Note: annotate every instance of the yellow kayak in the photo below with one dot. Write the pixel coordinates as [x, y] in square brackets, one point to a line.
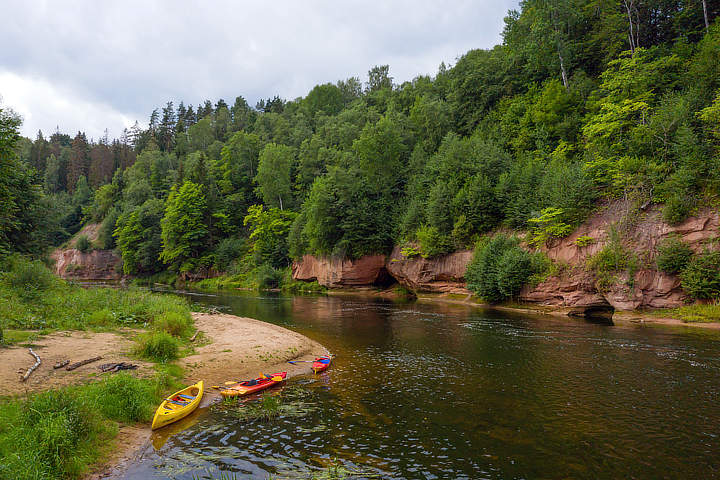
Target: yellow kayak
[178, 405]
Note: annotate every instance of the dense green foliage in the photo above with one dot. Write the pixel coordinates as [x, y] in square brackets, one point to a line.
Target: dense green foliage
[500, 268]
[32, 297]
[580, 103]
[57, 434]
[701, 277]
[673, 255]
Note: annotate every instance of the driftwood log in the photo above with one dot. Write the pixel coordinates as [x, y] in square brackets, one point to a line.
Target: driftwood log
[80, 364]
[115, 367]
[32, 369]
[61, 364]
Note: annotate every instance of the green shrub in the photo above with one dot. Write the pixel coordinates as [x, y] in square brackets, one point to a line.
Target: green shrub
[228, 251]
[175, 323]
[676, 209]
[701, 277]
[101, 318]
[266, 277]
[432, 242]
[500, 268]
[158, 346]
[83, 244]
[124, 398]
[673, 255]
[584, 241]
[28, 277]
[548, 225]
[409, 251]
[612, 260]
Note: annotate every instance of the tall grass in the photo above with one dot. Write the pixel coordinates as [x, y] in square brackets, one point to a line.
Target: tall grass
[31, 297]
[158, 346]
[57, 434]
[698, 313]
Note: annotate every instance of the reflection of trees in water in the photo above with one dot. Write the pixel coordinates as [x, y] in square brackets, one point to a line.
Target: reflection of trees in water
[478, 390]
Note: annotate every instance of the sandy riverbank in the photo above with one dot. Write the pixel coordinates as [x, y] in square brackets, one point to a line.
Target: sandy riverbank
[233, 348]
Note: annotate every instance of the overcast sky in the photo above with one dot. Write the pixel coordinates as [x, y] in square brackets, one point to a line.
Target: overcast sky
[92, 65]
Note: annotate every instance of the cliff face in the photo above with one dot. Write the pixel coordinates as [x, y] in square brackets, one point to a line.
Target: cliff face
[336, 273]
[71, 263]
[94, 265]
[648, 288]
[445, 274]
[575, 288]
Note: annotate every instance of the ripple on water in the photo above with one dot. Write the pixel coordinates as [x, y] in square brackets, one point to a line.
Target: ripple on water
[430, 391]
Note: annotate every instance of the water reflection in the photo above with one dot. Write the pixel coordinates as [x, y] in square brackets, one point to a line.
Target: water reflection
[447, 391]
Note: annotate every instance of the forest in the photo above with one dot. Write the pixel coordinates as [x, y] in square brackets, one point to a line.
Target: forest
[584, 101]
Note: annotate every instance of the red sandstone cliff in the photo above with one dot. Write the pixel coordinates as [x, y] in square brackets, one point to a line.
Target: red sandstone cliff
[93, 265]
[336, 272]
[71, 263]
[575, 287]
[444, 274]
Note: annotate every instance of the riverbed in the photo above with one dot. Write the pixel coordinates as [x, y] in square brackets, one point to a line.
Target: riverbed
[430, 391]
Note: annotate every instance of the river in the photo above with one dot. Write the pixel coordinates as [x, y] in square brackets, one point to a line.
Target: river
[438, 391]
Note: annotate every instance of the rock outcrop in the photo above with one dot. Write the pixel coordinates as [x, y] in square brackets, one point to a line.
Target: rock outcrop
[444, 274]
[575, 288]
[338, 273]
[648, 288]
[92, 265]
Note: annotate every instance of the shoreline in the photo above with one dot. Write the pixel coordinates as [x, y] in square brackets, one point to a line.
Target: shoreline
[619, 317]
[232, 354]
[235, 348]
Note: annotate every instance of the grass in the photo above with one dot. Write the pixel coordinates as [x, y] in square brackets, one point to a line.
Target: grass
[34, 301]
[258, 278]
[693, 313]
[158, 346]
[57, 434]
[13, 337]
[292, 402]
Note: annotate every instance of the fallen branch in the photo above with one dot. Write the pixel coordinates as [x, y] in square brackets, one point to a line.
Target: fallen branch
[84, 362]
[114, 367]
[192, 339]
[61, 364]
[31, 369]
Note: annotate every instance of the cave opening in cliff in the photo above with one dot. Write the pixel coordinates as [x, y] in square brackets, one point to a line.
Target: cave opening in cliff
[384, 279]
[601, 314]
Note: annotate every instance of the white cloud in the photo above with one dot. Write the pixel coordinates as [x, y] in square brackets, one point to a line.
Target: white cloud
[126, 58]
[46, 107]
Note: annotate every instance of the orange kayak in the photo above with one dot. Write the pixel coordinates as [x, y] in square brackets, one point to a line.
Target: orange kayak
[255, 385]
[321, 363]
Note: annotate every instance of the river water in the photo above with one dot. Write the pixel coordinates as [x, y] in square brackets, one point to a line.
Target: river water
[436, 391]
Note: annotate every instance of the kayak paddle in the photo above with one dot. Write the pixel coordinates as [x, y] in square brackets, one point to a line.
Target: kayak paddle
[232, 382]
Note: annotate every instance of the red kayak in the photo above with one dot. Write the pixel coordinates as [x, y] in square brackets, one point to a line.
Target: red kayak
[255, 385]
[321, 363]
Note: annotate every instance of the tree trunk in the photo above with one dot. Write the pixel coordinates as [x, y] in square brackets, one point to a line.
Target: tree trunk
[707, 22]
[563, 72]
[634, 30]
